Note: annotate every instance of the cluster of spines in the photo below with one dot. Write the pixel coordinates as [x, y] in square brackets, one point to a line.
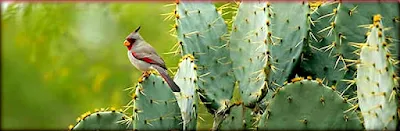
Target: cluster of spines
[326, 42]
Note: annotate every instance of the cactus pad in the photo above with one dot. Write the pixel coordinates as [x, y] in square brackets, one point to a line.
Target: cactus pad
[186, 79]
[105, 120]
[376, 81]
[248, 50]
[288, 31]
[155, 106]
[308, 105]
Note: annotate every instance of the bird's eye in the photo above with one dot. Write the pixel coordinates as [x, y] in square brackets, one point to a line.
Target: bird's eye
[131, 40]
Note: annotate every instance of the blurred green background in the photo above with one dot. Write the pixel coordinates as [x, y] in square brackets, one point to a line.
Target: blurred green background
[60, 60]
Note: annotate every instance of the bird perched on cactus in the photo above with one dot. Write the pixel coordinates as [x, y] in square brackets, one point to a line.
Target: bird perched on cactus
[144, 57]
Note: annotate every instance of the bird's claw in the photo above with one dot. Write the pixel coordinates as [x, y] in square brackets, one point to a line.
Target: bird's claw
[146, 74]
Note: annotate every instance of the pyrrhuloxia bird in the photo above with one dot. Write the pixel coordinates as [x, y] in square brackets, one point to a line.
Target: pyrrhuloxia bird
[143, 56]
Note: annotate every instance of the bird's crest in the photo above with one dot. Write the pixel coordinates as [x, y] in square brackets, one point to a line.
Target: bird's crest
[137, 30]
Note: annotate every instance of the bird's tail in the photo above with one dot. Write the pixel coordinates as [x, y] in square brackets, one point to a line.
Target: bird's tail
[170, 82]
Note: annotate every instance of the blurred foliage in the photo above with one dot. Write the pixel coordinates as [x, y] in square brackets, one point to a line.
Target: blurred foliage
[60, 60]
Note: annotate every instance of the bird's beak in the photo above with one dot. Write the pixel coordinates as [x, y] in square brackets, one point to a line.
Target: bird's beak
[126, 43]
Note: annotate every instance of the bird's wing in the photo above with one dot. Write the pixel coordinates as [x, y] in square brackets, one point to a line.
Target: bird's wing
[147, 53]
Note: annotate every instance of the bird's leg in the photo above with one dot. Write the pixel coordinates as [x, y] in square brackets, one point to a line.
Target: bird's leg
[145, 74]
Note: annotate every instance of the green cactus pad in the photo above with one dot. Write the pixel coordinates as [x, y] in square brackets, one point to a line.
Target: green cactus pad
[105, 120]
[337, 26]
[155, 106]
[289, 25]
[308, 105]
[248, 50]
[186, 79]
[201, 31]
[238, 117]
[376, 82]
[319, 57]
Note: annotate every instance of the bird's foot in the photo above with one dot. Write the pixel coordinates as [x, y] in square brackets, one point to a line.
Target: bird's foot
[146, 74]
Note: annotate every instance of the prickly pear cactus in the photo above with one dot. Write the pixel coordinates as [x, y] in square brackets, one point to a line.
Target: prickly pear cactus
[288, 31]
[155, 106]
[323, 57]
[201, 32]
[308, 105]
[335, 27]
[269, 44]
[248, 49]
[376, 81]
[103, 120]
[186, 79]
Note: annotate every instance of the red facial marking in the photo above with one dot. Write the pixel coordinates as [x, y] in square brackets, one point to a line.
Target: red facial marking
[131, 42]
[130, 46]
